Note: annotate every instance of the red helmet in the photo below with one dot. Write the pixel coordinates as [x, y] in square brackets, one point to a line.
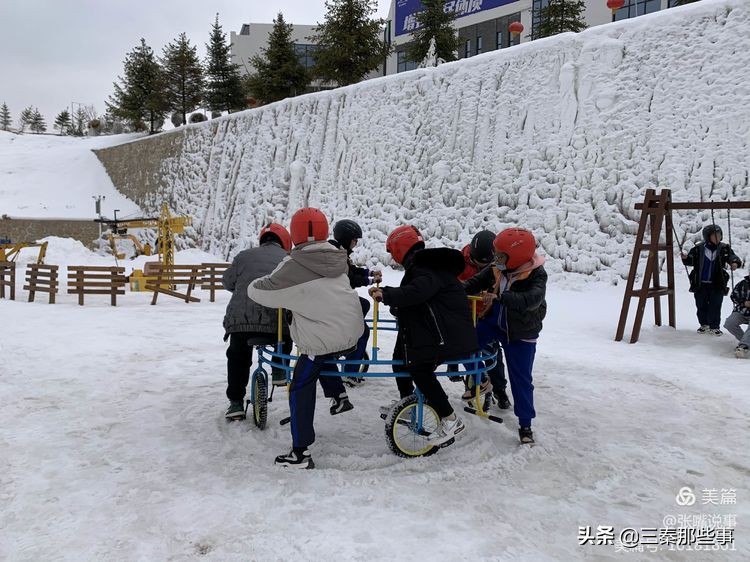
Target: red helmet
[401, 240]
[516, 243]
[308, 225]
[278, 231]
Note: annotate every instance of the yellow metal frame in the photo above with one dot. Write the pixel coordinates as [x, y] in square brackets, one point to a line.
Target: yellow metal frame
[9, 252]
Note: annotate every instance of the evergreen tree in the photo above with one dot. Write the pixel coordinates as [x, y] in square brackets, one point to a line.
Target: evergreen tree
[142, 95]
[5, 119]
[63, 122]
[350, 42]
[224, 91]
[27, 116]
[279, 74]
[434, 23]
[37, 123]
[183, 76]
[560, 16]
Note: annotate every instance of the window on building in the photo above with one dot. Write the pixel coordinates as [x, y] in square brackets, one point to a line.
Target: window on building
[499, 40]
[479, 45]
[633, 8]
[536, 16]
[305, 54]
[403, 64]
[467, 49]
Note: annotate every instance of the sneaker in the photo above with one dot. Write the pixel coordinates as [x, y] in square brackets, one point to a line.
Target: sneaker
[297, 458]
[236, 410]
[278, 378]
[715, 332]
[704, 329]
[340, 404]
[385, 410]
[741, 351]
[484, 388]
[446, 431]
[526, 435]
[353, 381]
[502, 399]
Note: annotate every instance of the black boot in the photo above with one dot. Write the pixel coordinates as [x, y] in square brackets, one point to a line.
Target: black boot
[502, 399]
[526, 435]
[340, 404]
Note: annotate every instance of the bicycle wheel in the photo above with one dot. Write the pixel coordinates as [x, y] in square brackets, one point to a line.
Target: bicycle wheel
[404, 433]
[260, 399]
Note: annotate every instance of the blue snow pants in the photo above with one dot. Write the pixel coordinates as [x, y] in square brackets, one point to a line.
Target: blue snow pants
[519, 359]
[359, 350]
[302, 396]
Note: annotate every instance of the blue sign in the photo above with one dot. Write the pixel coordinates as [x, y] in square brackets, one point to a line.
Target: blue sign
[407, 10]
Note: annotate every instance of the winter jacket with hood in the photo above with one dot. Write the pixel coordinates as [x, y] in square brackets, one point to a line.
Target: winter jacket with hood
[312, 282]
[434, 319]
[522, 296]
[741, 295]
[243, 314]
[720, 278]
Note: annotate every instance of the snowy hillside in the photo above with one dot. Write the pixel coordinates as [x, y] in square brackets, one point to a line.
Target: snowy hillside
[560, 135]
[46, 176]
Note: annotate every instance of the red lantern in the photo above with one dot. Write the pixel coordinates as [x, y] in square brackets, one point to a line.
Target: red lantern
[516, 28]
[615, 5]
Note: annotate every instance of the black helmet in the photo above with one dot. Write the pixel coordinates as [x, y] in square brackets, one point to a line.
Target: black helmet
[481, 249]
[712, 229]
[344, 231]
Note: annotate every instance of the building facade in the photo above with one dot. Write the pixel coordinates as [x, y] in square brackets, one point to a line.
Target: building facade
[482, 25]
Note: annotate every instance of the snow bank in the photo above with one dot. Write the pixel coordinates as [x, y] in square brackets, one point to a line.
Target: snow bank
[46, 176]
[67, 251]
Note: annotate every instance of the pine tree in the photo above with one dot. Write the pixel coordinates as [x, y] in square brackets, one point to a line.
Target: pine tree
[5, 119]
[142, 95]
[37, 123]
[350, 42]
[224, 91]
[183, 76]
[434, 23]
[279, 74]
[27, 116]
[63, 122]
[560, 16]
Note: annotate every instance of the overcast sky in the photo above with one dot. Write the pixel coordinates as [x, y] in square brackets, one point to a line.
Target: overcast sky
[53, 52]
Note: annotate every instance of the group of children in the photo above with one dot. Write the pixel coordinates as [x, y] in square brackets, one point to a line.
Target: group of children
[313, 279]
[709, 282]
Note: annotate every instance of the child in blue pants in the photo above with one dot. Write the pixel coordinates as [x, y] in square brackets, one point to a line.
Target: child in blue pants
[515, 287]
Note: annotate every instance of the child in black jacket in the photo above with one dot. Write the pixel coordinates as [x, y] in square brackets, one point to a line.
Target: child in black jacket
[434, 320]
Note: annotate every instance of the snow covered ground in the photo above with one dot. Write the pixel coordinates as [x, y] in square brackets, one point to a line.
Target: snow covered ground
[113, 445]
[561, 135]
[46, 176]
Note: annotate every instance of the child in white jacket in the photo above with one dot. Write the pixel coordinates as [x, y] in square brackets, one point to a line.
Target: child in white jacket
[327, 318]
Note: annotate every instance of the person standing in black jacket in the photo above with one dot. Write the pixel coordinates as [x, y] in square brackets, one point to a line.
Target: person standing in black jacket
[434, 320]
[514, 291]
[709, 278]
[346, 234]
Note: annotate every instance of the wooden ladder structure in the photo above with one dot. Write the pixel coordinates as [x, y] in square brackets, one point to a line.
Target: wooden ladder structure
[656, 212]
[656, 215]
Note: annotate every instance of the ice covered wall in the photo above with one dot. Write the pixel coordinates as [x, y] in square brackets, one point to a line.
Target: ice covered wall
[561, 135]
